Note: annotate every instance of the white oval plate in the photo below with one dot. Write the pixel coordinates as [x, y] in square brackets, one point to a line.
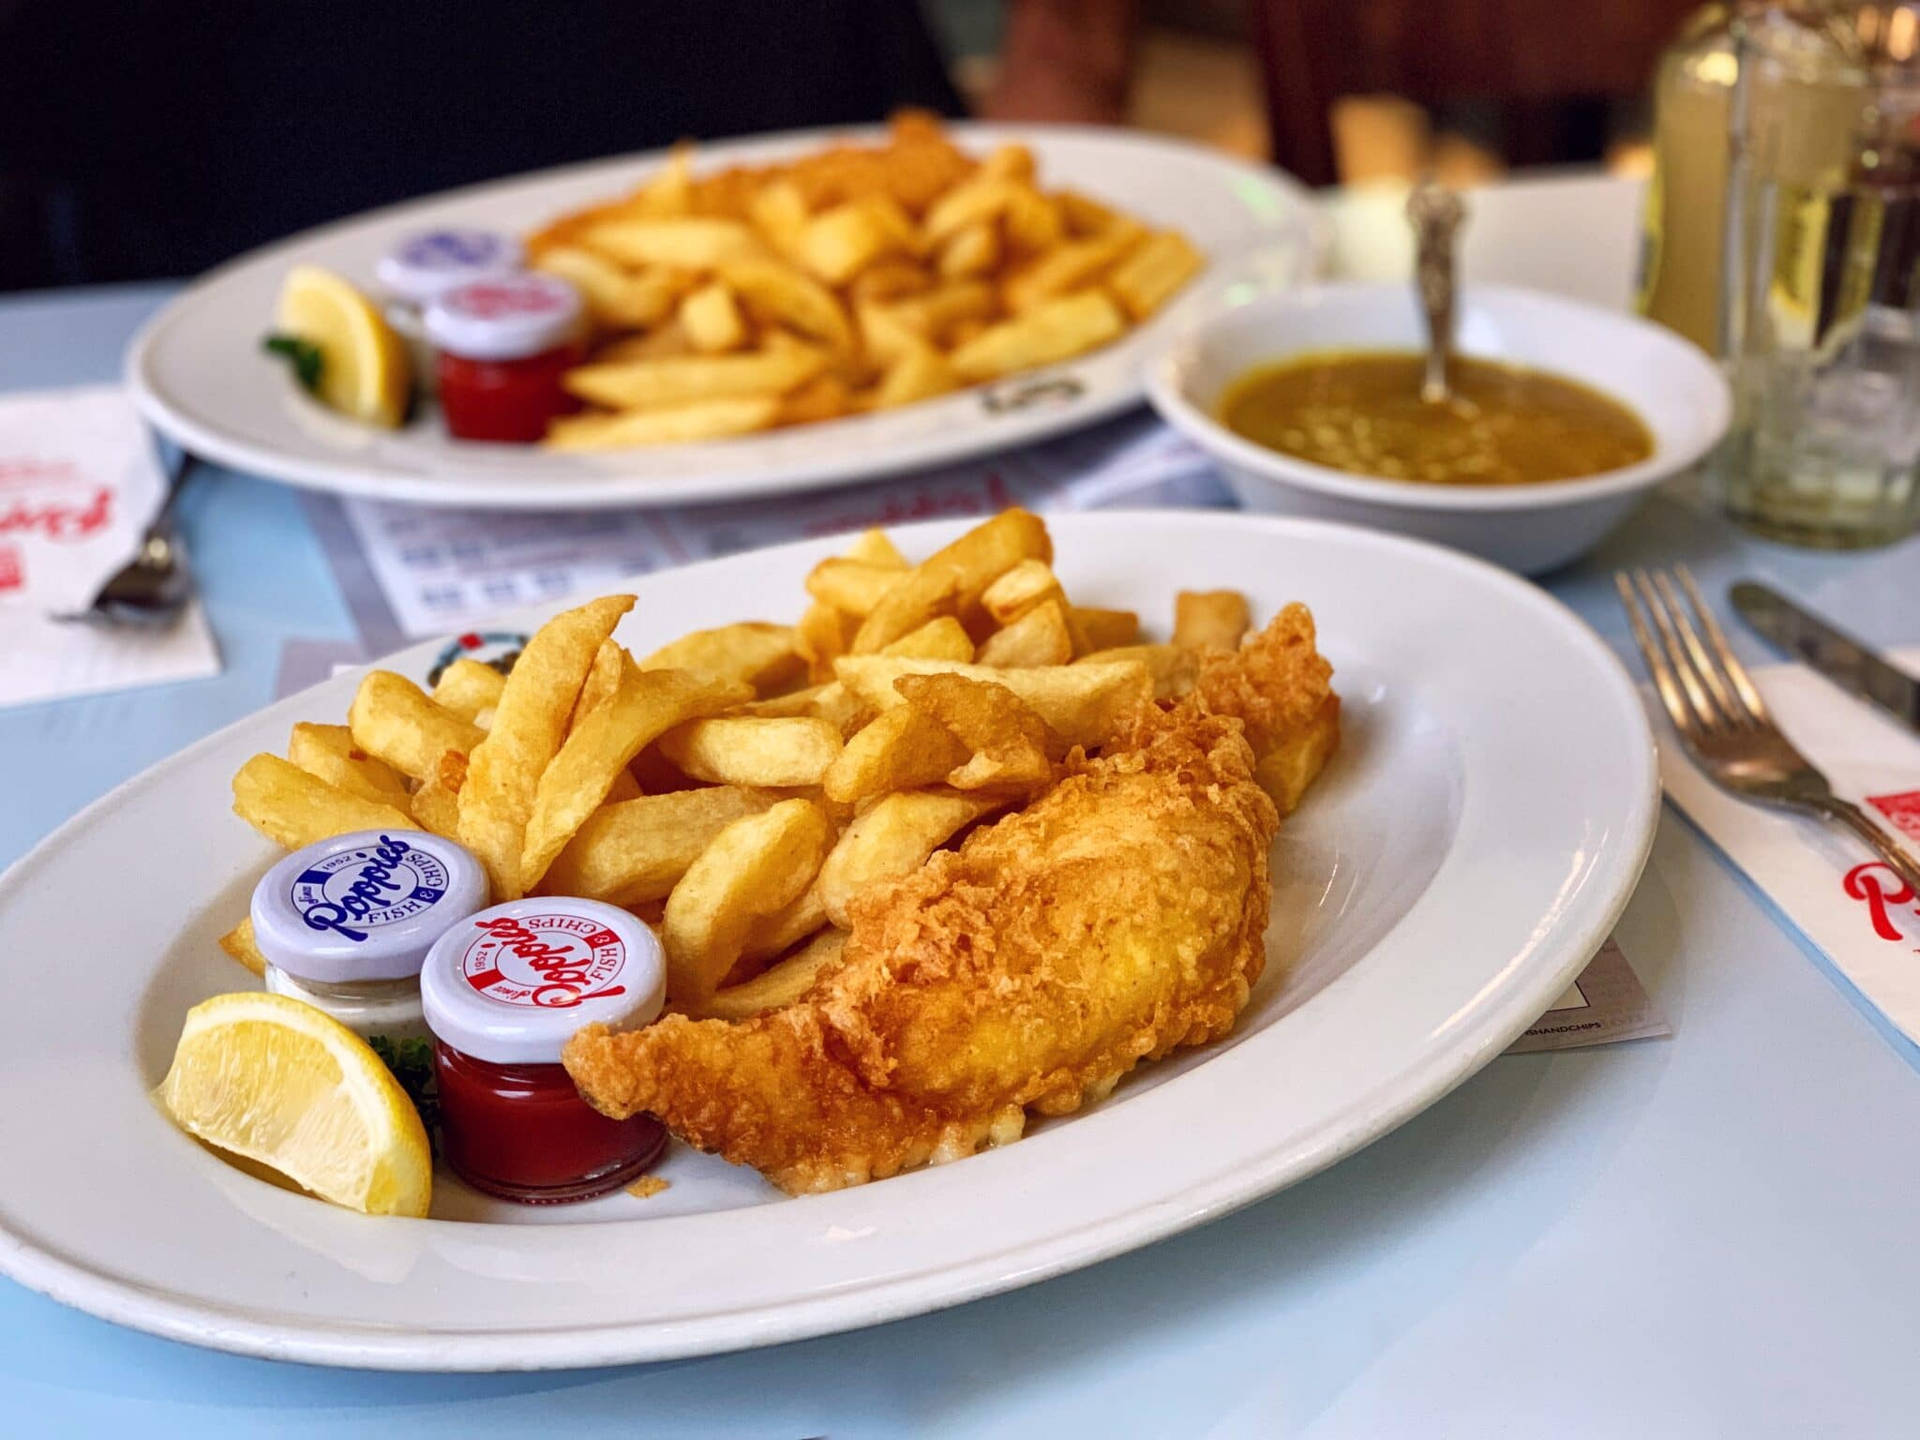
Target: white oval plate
[1482, 827]
[197, 371]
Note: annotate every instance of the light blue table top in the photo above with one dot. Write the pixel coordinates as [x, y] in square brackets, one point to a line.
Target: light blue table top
[1707, 1235]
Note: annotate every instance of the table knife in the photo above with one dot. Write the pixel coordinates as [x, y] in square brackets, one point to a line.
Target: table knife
[1836, 655]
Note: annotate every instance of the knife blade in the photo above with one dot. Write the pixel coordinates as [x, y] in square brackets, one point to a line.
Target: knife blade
[1830, 651]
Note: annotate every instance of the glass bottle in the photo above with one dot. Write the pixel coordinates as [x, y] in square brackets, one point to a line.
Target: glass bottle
[1684, 224]
[1824, 231]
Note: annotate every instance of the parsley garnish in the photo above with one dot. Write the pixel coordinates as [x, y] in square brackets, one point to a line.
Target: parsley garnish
[303, 355]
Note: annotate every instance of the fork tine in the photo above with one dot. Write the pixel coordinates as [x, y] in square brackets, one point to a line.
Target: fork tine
[1677, 657]
[1663, 677]
[1716, 637]
[1703, 662]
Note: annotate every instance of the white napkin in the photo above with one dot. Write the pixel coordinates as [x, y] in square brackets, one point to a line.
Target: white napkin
[78, 483]
[1849, 904]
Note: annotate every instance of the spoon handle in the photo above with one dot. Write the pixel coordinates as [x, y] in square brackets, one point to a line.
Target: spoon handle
[1435, 213]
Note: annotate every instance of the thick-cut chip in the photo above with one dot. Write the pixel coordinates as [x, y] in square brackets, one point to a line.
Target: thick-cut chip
[685, 380]
[1174, 667]
[436, 807]
[241, 946]
[1105, 629]
[892, 839]
[604, 742]
[780, 212]
[1026, 586]
[872, 547]
[839, 243]
[468, 688]
[711, 319]
[1150, 276]
[616, 298]
[1084, 215]
[1039, 637]
[1216, 618]
[933, 315]
[1012, 747]
[825, 397]
[636, 850]
[792, 297]
[902, 749]
[764, 655]
[329, 751]
[675, 425]
[660, 343]
[1053, 330]
[1009, 162]
[1068, 267]
[919, 372]
[971, 250]
[1033, 222]
[776, 933]
[392, 718]
[955, 575]
[603, 678]
[889, 279]
[292, 808]
[692, 243]
[977, 201]
[1086, 703]
[942, 639]
[754, 750]
[778, 985]
[529, 723]
[831, 702]
[852, 586]
[885, 334]
[755, 866]
[823, 633]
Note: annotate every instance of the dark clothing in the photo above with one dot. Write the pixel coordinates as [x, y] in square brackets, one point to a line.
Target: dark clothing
[150, 138]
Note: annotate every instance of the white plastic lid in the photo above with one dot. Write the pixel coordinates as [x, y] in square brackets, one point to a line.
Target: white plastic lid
[505, 318]
[364, 906]
[425, 266]
[510, 984]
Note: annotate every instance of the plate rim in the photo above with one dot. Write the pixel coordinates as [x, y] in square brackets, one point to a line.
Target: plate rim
[1305, 227]
[367, 1344]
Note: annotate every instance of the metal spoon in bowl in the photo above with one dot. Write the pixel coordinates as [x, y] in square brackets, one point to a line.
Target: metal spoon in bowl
[1435, 213]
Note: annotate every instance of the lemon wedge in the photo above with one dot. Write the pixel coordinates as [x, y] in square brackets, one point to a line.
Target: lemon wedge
[364, 371]
[279, 1082]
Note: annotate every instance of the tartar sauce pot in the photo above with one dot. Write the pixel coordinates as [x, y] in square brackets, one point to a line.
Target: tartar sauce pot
[346, 924]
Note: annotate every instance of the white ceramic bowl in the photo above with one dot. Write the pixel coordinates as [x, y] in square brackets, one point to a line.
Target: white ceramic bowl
[1672, 385]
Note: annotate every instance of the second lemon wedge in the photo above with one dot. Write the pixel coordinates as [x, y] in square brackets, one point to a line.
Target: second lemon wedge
[364, 370]
[280, 1082]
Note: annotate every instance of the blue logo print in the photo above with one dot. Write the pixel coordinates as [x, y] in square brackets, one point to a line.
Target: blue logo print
[361, 890]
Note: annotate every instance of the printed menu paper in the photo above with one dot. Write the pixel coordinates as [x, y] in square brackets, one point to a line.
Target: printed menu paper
[1852, 906]
[441, 570]
[78, 485]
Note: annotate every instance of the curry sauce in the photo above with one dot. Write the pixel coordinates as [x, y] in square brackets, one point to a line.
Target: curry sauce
[1361, 411]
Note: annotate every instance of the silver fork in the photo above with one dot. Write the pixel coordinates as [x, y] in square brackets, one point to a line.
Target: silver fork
[1721, 718]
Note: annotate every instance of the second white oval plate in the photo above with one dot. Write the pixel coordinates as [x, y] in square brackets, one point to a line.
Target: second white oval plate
[197, 372]
[1473, 842]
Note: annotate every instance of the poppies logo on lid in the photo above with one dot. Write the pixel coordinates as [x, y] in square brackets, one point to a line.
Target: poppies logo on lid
[545, 961]
[507, 297]
[452, 250]
[354, 892]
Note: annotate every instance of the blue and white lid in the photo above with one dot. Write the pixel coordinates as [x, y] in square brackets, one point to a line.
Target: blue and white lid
[511, 984]
[364, 906]
[423, 267]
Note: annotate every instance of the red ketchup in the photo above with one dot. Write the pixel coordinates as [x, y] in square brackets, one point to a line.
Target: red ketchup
[504, 344]
[503, 990]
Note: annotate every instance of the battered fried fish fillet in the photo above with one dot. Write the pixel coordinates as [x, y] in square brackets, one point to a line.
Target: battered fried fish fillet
[1117, 918]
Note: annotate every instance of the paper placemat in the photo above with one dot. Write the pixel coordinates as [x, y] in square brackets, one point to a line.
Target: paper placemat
[1852, 906]
[78, 485]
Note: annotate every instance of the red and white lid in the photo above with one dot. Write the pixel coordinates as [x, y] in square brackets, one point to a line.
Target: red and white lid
[508, 317]
[425, 266]
[511, 984]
